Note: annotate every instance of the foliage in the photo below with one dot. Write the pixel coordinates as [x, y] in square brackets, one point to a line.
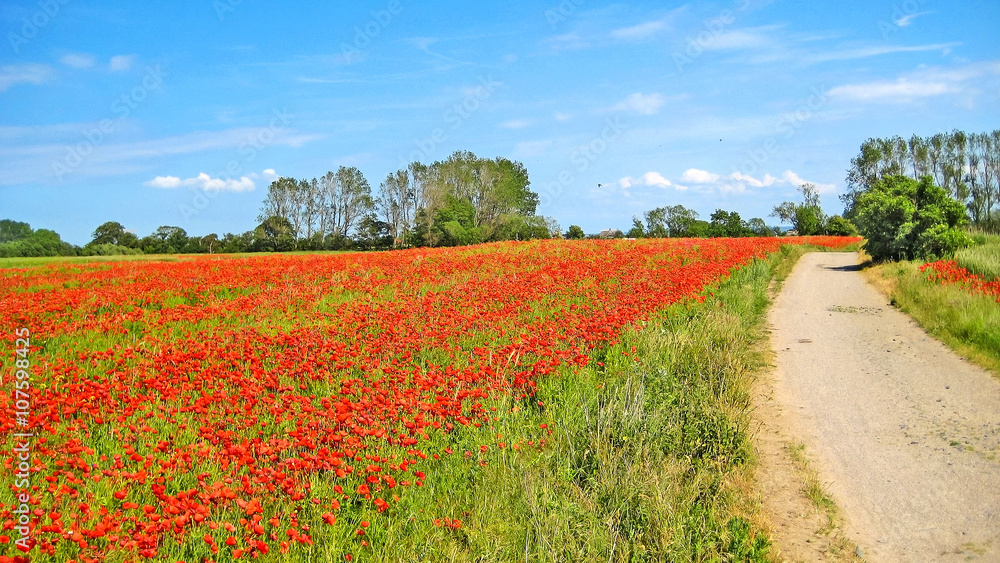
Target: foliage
[807, 218]
[966, 166]
[838, 226]
[728, 224]
[19, 241]
[574, 232]
[983, 259]
[108, 249]
[11, 231]
[906, 219]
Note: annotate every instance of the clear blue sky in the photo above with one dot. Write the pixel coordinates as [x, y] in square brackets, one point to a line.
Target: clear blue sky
[130, 112]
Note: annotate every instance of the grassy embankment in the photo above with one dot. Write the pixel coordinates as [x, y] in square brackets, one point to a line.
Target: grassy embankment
[652, 459]
[968, 323]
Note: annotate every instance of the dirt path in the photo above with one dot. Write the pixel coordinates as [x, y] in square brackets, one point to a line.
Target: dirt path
[904, 435]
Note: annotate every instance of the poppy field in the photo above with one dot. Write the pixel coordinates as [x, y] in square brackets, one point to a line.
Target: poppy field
[327, 407]
[948, 272]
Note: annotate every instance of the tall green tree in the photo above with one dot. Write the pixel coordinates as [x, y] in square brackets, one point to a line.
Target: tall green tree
[903, 218]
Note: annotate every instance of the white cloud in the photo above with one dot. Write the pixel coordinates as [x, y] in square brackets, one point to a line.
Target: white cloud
[734, 40]
[560, 116]
[879, 50]
[205, 182]
[78, 60]
[165, 182]
[642, 104]
[23, 74]
[696, 176]
[516, 124]
[905, 20]
[886, 91]
[640, 31]
[925, 82]
[121, 63]
[654, 179]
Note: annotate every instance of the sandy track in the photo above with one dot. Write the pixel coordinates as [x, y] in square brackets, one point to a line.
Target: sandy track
[904, 434]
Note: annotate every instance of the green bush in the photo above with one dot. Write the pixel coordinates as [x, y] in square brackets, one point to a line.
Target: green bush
[906, 219]
[840, 227]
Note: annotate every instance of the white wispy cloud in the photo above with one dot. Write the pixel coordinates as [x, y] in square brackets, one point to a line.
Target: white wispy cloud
[891, 91]
[927, 82]
[78, 60]
[121, 63]
[640, 31]
[705, 182]
[873, 51]
[516, 124]
[737, 39]
[644, 104]
[28, 155]
[907, 19]
[30, 73]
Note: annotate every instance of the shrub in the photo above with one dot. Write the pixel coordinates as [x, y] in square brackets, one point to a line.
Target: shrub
[906, 219]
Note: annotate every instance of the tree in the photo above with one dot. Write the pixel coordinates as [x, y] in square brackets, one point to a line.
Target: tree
[759, 228]
[906, 219]
[574, 232]
[274, 234]
[727, 224]
[840, 227]
[637, 230]
[807, 218]
[966, 166]
[656, 223]
[108, 233]
[11, 231]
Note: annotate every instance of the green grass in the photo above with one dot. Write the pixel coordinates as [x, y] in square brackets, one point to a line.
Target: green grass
[647, 460]
[46, 260]
[982, 259]
[34, 262]
[968, 323]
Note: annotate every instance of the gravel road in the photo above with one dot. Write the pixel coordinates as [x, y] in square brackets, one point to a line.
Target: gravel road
[904, 434]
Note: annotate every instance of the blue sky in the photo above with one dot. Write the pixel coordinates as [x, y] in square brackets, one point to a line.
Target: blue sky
[181, 113]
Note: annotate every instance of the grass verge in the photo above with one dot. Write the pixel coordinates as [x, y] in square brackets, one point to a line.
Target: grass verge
[649, 456]
[968, 323]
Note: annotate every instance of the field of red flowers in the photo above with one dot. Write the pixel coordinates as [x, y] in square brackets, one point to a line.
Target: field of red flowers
[948, 272]
[226, 408]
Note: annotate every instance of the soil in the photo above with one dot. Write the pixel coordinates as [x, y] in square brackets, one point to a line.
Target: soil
[903, 434]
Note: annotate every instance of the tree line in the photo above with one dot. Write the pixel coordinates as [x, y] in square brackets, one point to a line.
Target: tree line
[965, 165]
[461, 200]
